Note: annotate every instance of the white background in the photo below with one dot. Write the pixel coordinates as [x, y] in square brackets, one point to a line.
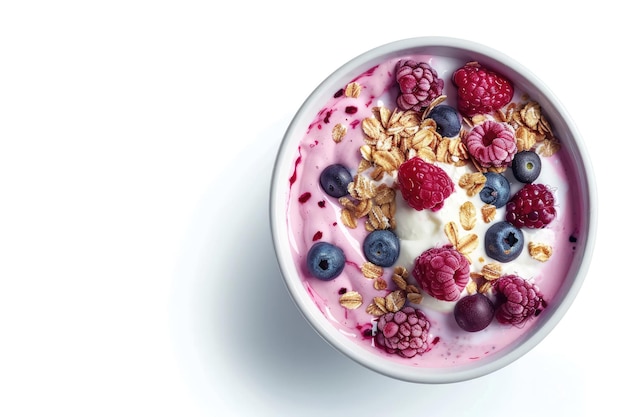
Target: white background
[137, 275]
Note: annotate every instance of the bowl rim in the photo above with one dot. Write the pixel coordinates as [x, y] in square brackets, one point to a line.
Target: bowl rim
[278, 204]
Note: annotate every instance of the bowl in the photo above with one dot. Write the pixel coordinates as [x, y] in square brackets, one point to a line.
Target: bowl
[354, 306]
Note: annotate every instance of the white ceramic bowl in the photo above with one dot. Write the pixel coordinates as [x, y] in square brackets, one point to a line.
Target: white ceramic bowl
[582, 177]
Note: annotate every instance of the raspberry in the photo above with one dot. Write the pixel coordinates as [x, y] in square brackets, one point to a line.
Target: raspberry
[517, 300]
[480, 90]
[532, 207]
[442, 272]
[404, 332]
[419, 84]
[424, 185]
[492, 144]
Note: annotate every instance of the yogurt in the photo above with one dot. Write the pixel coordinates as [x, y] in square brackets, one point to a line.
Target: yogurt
[336, 135]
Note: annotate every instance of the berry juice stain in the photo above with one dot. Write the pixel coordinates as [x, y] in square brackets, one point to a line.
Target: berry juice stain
[327, 117]
[323, 116]
[353, 264]
[339, 93]
[294, 176]
[317, 236]
[366, 331]
[304, 197]
[367, 73]
[351, 109]
[355, 123]
[321, 203]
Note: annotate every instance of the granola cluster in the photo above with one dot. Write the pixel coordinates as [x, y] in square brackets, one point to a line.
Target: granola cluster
[393, 136]
[396, 300]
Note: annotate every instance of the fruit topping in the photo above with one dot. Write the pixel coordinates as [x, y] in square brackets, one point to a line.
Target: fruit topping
[496, 190]
[422, 149]
[532, 207]
[526, 166]
[517, 300]
[404, 332]
[334, 180]
[419, 84]
[424, 185]
[448, 120]
[492, 144]
[480, 90]
[474, 312]
[442, 272]
[503, 242]
[325, 261]
[381, 247]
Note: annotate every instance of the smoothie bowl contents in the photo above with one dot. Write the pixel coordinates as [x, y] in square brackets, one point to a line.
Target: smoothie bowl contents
[432, 210]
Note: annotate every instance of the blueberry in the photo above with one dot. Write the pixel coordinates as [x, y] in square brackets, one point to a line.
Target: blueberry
[381, 247]
[448, 120]
[496, 190]
[334, 179]
[325, 261]
[474, 312]
[503, 241]
[526, 166]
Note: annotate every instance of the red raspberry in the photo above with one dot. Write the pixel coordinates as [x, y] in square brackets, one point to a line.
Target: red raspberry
[480, 90]
[517, 300]
[419, 84]
[404, 332]
[492, 144]
[532, 207]
[424, 185]
[442, 272]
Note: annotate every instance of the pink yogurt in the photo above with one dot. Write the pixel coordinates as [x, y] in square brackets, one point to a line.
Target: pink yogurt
[314, 216]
